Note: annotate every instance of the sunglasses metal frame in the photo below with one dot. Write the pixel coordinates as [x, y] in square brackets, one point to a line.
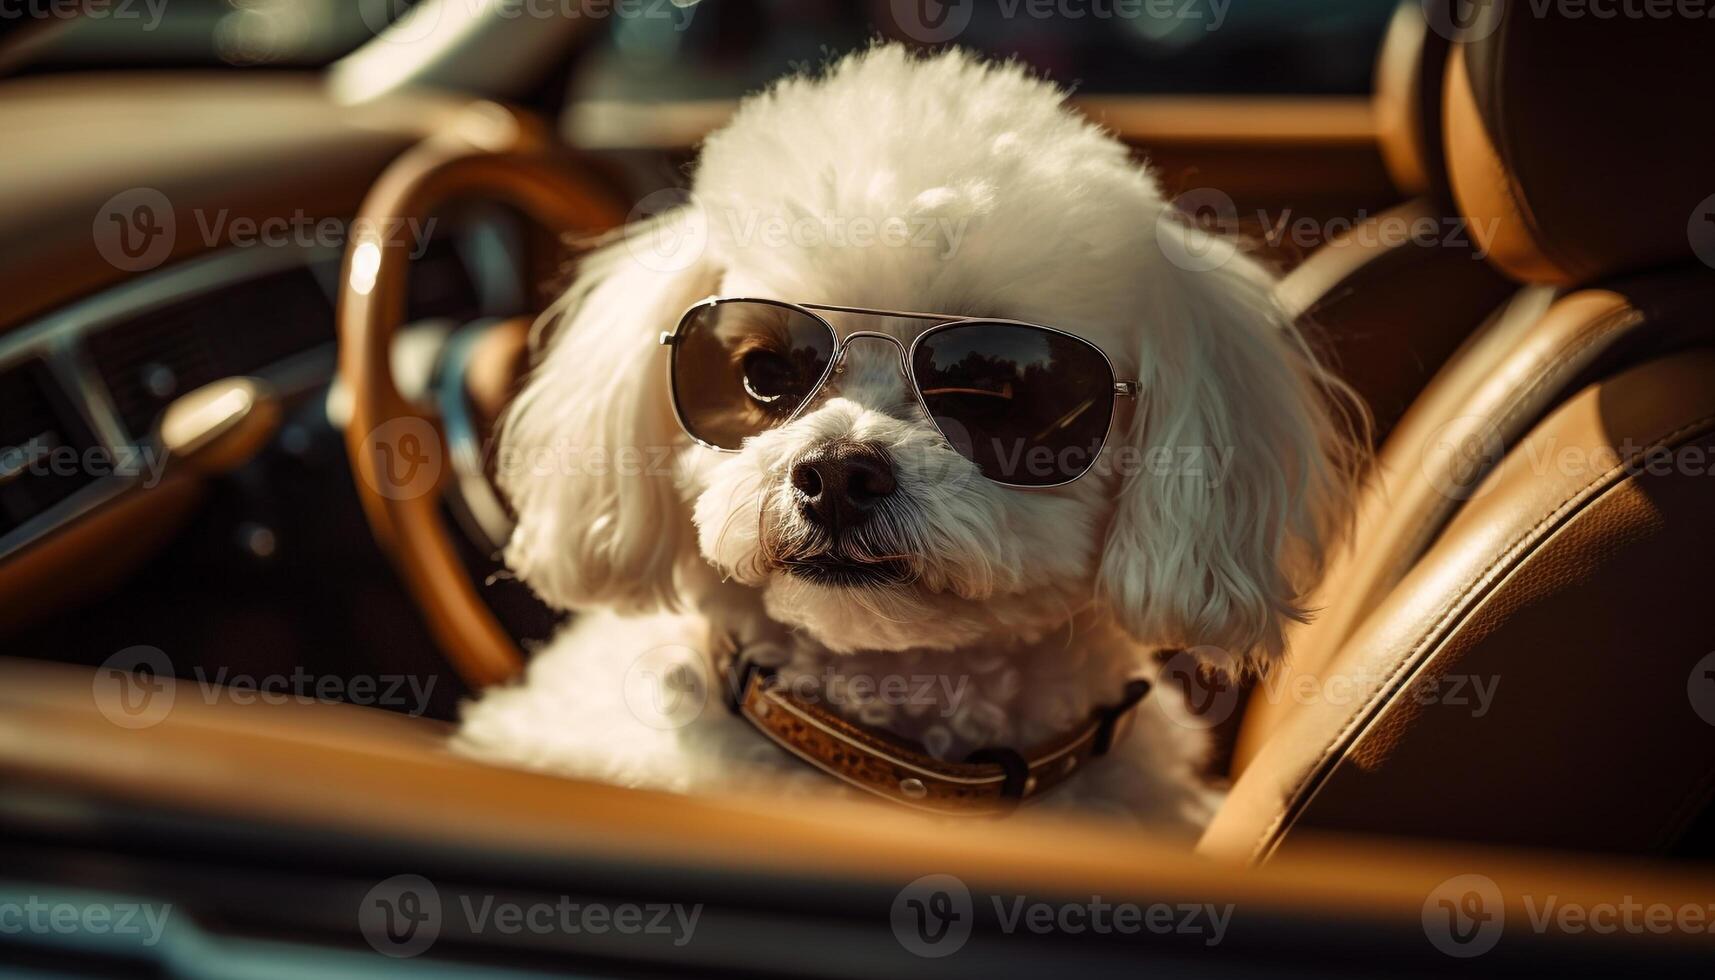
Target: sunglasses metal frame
[1121, 388]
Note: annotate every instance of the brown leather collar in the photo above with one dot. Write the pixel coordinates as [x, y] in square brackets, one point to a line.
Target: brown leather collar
[991, 781]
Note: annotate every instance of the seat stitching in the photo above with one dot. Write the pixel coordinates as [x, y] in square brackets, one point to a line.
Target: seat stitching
[1446, 614]
[1595, 331]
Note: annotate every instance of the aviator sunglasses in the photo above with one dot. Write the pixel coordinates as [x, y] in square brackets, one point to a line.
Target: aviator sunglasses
[1030, 405]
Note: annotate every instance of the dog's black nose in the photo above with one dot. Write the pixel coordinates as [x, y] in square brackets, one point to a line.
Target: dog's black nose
[840, 483]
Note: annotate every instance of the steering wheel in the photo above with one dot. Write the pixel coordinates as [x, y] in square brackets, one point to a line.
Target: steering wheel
[397, 448]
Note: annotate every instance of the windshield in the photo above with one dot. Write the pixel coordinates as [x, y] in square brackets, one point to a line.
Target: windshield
[677, 49]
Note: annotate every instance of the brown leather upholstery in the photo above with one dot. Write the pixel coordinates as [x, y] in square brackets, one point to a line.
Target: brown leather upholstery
[1390, 300]
[1388, 303]
[1409, 78]
[329, 772]
[1580, 146]
[1530, 356]
[1489, 547]
[1573, 588]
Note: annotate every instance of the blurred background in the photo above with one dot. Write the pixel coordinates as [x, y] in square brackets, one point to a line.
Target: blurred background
[710, 49]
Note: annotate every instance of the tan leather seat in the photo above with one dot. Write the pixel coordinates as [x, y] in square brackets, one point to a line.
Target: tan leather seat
[1389, 301]
[1508, 653]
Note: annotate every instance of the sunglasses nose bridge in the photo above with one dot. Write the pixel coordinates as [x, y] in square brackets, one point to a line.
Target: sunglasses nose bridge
[846, 344]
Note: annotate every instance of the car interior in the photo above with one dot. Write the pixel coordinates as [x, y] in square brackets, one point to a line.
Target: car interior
[1538, 353]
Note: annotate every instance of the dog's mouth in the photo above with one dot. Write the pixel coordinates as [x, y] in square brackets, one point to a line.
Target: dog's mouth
[847, 573]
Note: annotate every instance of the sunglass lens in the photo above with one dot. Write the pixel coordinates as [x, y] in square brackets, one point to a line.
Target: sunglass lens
[742, 367]
[1029, 406]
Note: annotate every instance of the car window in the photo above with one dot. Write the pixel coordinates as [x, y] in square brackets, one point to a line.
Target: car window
[680, 49]
[195, 33]
[674, 49]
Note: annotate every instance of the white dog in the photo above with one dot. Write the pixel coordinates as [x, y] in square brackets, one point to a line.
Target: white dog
[1002, 616]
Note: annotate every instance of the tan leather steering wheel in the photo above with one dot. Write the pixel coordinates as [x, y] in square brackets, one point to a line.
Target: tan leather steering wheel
[396, 447]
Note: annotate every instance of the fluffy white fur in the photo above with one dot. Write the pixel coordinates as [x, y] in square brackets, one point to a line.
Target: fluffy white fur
[1204, 526]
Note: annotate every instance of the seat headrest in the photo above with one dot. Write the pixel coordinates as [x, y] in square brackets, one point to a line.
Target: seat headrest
[1408, 99]
[1579, 144]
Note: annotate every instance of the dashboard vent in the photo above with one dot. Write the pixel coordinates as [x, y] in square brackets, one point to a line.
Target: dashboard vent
[43, 444]
[149, 361]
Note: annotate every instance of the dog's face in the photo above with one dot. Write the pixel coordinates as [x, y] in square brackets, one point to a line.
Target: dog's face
[950, 187]
[862, 524]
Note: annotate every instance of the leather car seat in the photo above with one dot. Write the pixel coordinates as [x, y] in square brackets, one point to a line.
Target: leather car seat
[1389, 301]
[1540, 521]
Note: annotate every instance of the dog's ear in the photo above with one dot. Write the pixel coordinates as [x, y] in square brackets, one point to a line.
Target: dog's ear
[586, 449]
[1237, 463]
